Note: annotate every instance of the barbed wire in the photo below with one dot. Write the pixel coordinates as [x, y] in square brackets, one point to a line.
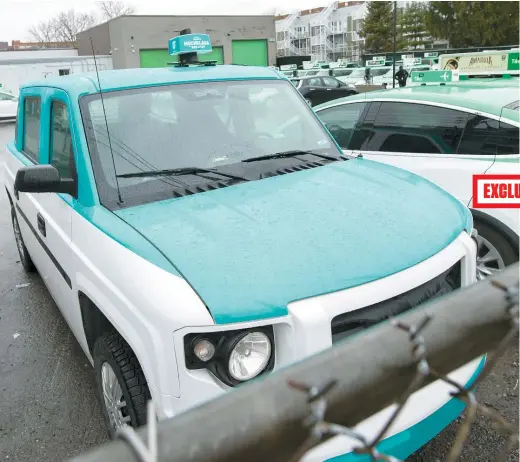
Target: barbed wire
[320, 429]
[316, 396]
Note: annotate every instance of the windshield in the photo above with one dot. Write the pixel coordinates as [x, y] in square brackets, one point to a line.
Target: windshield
[207, 125]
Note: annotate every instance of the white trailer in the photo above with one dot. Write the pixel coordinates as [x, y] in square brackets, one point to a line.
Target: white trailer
[15, 72]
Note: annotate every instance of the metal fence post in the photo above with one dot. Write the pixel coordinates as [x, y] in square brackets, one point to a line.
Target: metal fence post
[265, 420]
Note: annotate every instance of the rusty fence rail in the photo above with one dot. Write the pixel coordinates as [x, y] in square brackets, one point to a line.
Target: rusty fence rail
[281, 417]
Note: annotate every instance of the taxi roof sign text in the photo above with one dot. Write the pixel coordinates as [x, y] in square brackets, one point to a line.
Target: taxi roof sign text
[189, 43]
[434, 76]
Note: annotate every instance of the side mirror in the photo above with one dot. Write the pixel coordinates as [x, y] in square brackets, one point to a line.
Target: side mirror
[42, 179]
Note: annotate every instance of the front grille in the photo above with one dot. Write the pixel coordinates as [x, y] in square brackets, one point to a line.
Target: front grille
[352, 322]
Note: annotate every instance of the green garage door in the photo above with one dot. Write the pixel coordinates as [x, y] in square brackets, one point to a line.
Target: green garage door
[250, 52]
[161, 58]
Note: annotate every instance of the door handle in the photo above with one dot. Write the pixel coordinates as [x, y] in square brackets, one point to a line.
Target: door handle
[41, 225]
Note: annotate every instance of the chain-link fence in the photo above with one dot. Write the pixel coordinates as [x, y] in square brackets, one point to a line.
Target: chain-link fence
[282, 417]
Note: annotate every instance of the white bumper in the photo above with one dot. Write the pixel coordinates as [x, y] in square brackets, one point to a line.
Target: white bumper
[307, 330]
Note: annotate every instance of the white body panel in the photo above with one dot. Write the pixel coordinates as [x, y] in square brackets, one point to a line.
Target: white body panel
[454, 174]
[8, 106]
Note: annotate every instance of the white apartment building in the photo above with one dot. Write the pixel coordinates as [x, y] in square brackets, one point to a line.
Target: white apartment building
[325, 33]
[331, 32]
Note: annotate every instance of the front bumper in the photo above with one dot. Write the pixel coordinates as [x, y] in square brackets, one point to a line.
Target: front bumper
[307, 330]
[406, 442]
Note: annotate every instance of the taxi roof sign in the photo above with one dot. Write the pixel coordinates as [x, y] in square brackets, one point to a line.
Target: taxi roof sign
[189, 43]
[482, 62]
[434, 76]
[375, 62]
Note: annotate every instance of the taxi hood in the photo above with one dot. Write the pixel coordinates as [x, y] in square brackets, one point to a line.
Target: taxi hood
[250, 249]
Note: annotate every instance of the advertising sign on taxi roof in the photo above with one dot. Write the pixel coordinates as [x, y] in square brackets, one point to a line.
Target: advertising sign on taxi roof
[434, 76]
[481, 63]
[189, 43]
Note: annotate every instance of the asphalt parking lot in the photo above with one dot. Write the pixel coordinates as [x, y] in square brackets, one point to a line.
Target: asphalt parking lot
[48, 409]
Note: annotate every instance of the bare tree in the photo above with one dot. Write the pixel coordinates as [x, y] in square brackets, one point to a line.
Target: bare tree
[70, 24]
[44, 31]
[114, 9]
[63, 28]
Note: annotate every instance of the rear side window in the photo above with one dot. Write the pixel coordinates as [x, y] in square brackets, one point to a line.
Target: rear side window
[341, 120]
[330, 83]
[420, 128]
[62, 154]
[485, 136]
[31, 127]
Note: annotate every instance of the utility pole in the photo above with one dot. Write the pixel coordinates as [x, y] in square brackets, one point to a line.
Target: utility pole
[395, 44]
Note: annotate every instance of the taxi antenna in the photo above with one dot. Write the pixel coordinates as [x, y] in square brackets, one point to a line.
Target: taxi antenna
[119, 197]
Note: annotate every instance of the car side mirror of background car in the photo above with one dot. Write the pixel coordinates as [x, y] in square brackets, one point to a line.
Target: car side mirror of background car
[43, 179]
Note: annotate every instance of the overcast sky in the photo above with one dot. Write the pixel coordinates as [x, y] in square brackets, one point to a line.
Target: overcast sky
[17, 16]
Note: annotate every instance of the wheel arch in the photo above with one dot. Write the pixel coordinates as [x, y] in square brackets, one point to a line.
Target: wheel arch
[506, 231]
[96, 323]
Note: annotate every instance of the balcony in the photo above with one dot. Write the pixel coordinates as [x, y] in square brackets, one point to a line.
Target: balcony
[300, 34]
[337, 29]
[317, 40]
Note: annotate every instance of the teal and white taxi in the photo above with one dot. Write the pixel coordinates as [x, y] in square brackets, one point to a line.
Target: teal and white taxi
[447, 128]
[195, 237]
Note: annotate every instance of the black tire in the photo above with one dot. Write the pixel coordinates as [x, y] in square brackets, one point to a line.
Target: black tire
[113, 349]
[25, 258]
[499, 241]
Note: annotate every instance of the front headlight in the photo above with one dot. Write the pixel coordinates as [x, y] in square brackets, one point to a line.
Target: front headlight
[233, 356]
[250, 356]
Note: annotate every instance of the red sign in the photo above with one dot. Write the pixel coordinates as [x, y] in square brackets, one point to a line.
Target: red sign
[496, 191]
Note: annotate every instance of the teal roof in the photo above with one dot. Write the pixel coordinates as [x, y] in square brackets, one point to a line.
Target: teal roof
[78, 84]
[484, 95]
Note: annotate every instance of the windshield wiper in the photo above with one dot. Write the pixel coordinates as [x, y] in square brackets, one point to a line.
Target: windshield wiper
[180, 171]
[279, 155]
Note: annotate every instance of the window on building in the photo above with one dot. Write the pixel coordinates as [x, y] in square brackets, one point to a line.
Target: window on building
[64, 71]
[31, 128]
[316, 30]
[341, 120]
[485, 136]
[61, 152]
[300, 31]
[420, 128]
